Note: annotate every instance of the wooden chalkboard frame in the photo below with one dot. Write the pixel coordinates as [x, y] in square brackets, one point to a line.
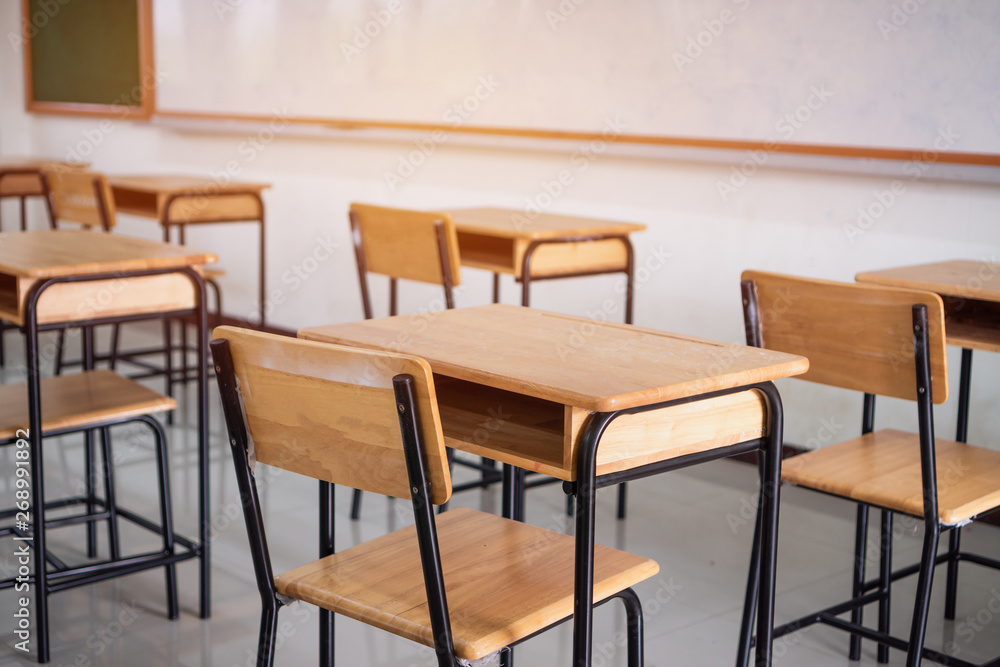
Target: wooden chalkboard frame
[147, 103]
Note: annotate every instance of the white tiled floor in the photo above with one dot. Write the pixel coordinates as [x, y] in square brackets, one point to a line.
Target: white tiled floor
[697, 524]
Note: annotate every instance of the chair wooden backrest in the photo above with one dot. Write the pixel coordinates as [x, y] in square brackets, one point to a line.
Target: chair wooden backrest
[329, 411]
[79, 196]
[406, 244]
[856, 336]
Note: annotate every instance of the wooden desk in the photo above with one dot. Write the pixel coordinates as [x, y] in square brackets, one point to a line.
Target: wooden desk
[543, 247]
[620, 403]
[971, 294]
[52, 278]
[21, 178]
[179, 201]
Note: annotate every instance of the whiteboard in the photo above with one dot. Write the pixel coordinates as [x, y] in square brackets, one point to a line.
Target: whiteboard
[901, 74]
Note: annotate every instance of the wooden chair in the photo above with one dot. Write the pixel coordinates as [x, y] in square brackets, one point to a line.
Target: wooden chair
[82, 197]
[401, 243]
[94, 400]
[889, 342]
[410, 245]
[466, 583]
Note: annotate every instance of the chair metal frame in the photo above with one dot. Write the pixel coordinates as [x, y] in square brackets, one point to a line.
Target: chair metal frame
[413, 446]
[866, 592]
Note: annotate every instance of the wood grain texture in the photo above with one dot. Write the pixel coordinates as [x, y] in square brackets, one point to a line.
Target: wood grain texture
[26, 257]
[190, 199]
[648, 437]
[403, 243]
[77, 400]
[856, 336]
[883, 468]
[329, 412]
[510, 223]
[92, 299]
[572, 361]
[22, 176]
[181, 184]
[50, 253]
[972, 297]
[972, 337]
[80, 196]
[961, 278]
[504, 580]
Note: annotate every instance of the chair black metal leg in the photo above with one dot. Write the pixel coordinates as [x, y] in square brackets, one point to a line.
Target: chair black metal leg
[450, 453]
[961, 435]
[622, 499]
[356, 505]
[326, 548]
[89, 475]
[268, 632]
[168, 362]
[857, 590]
[110, 498]
[753, 582]
[486, 477]
[885, 583]
[60, 347]
[951, 588]
[166, 515]
[113, 354]
[519, 493]
[633, 614]
[507, 497]
[925, 581]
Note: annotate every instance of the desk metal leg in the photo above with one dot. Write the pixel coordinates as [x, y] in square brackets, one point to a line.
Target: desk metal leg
[759, 598]
[37, 489]
[586, 495]
[770, 500]
[204, 538]
[753, 580]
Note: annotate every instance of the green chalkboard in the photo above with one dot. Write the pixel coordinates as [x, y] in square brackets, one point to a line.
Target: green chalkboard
[90, 57]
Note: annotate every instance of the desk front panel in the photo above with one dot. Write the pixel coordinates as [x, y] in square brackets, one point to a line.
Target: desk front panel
[86, 300]
[16, 185]
[506, 255]
[195, 208]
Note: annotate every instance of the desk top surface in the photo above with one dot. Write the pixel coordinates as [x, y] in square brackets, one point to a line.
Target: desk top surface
[181, 184]
[593, 365]
[51, 253]
[34, 164]
[961, 278]
[524, 224]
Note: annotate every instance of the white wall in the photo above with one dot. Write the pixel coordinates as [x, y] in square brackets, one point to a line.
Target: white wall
[785, 218]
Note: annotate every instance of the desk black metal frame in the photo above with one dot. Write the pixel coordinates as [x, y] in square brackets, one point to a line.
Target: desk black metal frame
[89, 574]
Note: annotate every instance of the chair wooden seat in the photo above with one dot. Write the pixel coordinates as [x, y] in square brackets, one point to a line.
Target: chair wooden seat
[508, 579]
[883, 469]
[213, 274]
[79, 400]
